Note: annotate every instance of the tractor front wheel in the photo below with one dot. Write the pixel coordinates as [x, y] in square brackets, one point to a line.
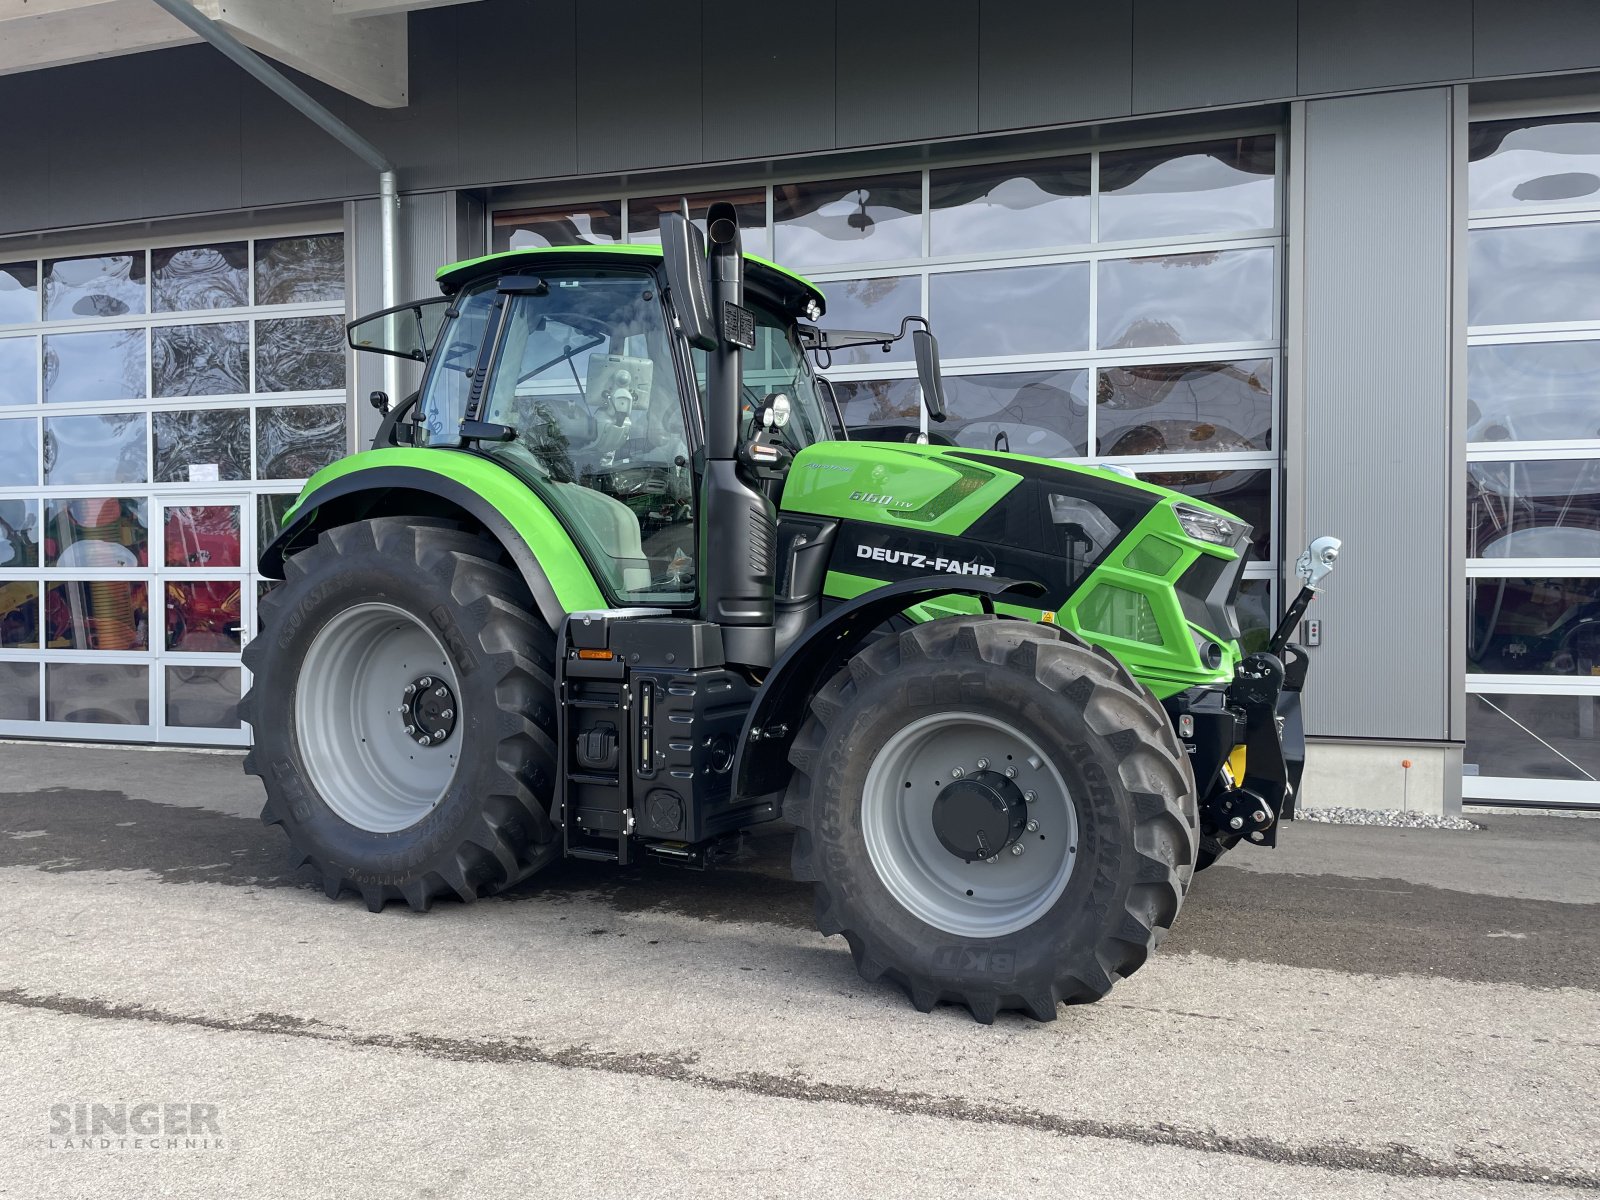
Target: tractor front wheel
[995, 814]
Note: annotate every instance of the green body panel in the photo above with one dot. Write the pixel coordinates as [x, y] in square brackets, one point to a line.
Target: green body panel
[570, 577]
[893, 484]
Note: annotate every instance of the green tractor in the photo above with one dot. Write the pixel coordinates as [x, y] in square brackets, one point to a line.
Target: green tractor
[613, 585]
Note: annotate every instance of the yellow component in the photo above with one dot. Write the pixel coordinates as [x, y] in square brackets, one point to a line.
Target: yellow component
[1236, 764]
[1047, 618]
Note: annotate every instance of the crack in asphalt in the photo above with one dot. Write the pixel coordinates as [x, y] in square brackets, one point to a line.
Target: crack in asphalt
[1395, 1160]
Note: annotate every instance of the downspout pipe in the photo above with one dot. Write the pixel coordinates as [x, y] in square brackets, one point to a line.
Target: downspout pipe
[302, 102]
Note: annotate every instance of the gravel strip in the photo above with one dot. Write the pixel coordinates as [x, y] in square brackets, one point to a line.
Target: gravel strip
[1390, 817]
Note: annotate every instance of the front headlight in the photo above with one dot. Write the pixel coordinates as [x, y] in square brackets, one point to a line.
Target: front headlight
[1208, 527]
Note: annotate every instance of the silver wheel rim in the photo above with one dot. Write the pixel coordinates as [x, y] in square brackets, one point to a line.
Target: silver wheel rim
[984, 899]
[352, 737]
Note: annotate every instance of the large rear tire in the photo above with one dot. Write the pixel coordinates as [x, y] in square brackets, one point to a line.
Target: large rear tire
[403, 706]
[970, 735]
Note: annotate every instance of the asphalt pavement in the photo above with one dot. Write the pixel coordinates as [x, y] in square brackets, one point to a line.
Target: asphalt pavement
[1362, 1012]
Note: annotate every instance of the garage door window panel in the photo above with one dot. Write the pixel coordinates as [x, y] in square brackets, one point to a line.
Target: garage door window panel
[1216, 296]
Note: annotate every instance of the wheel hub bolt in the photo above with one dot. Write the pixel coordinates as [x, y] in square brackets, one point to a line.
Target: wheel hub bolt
[424, 739]
[411, 729]
[440, 692]
[1011, 772]
[426, 681]
[992, 859]
[956, 772]
[1033, 827]
[1030, 797]
[983, 764]
[410, 688]
[1016, 848]
[448, 713]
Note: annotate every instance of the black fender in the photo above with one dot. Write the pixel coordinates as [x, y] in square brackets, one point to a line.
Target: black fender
[761, 764]
[408, 491]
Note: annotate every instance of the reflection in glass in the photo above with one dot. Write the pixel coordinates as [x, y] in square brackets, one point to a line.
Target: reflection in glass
[1043, 413]
[1017, 310]
[200, 360]
[1533, 391]
[100, 614]
[644, 215]
[19, 293]
[101, 449]
[19, 371]
[1534, 626]
[1200, 188]
[270, 510]
[840, 221]
[19, 534]
[97, 693]
[1538, 509]
[875, 305]
[1534, 160]
[97, 531]
[88, 368]
[1245, 494]
[300, 354]
[888, 410]
[19, 612]
[995, 207]
[19, 452]
[102, 285]
[300, 270]
[203, 616]
[189, 442]
[202, 535]
[1257, 617]
[190, 278]
[19, 691]
[1533, 273]
[1186, 299]
[203, 697]
[1544, 737]
[295, 443]
[565, 225]
[1184, 408]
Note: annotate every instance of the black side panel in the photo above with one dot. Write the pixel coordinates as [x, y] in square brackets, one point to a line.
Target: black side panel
[805, 545]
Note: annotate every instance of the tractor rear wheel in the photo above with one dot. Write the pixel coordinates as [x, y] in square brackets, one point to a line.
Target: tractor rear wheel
[404, 714]
[994, 813]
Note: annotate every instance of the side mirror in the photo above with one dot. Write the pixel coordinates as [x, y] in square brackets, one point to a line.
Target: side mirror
[683, 252]
[926, 348]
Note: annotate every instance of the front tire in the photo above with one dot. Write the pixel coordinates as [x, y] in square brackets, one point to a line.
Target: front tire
[1059, 751]
[403, 707]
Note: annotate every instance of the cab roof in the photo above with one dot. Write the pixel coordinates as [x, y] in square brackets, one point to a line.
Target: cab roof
[763, 271]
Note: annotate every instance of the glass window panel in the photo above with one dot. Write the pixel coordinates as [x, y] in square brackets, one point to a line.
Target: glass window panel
[97, 693]
[101, 285]
[1186, 299]
[19, 691]
[1018, 310]
[19, 371]
[200, 360]
[189, 278]
[192, 443]
[1533, 274]
[1544, 737]
[876, 305]
[96, 531]
[1043, 413]
[300, 270]
[19, 293]
[1534, 626]
[598, 224]
[19, 452]
[880, 410]
[1203, 187]
[89, 368]
[19, 534]
[996, 207]
[1257, 619]
[19, 613]
[295, 443]
[100, 614]
[270, 510]
[203, 616]
[1537, 160]
[202, 535]
[1246, 494]
[841, 221]
[1541, 509]
[203, 697]
[644, 215]
[1184, 408]
[1533, 391]
[99, 449]
[300, 354]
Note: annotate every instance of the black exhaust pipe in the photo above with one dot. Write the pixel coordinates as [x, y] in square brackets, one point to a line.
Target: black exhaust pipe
[737, 522]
